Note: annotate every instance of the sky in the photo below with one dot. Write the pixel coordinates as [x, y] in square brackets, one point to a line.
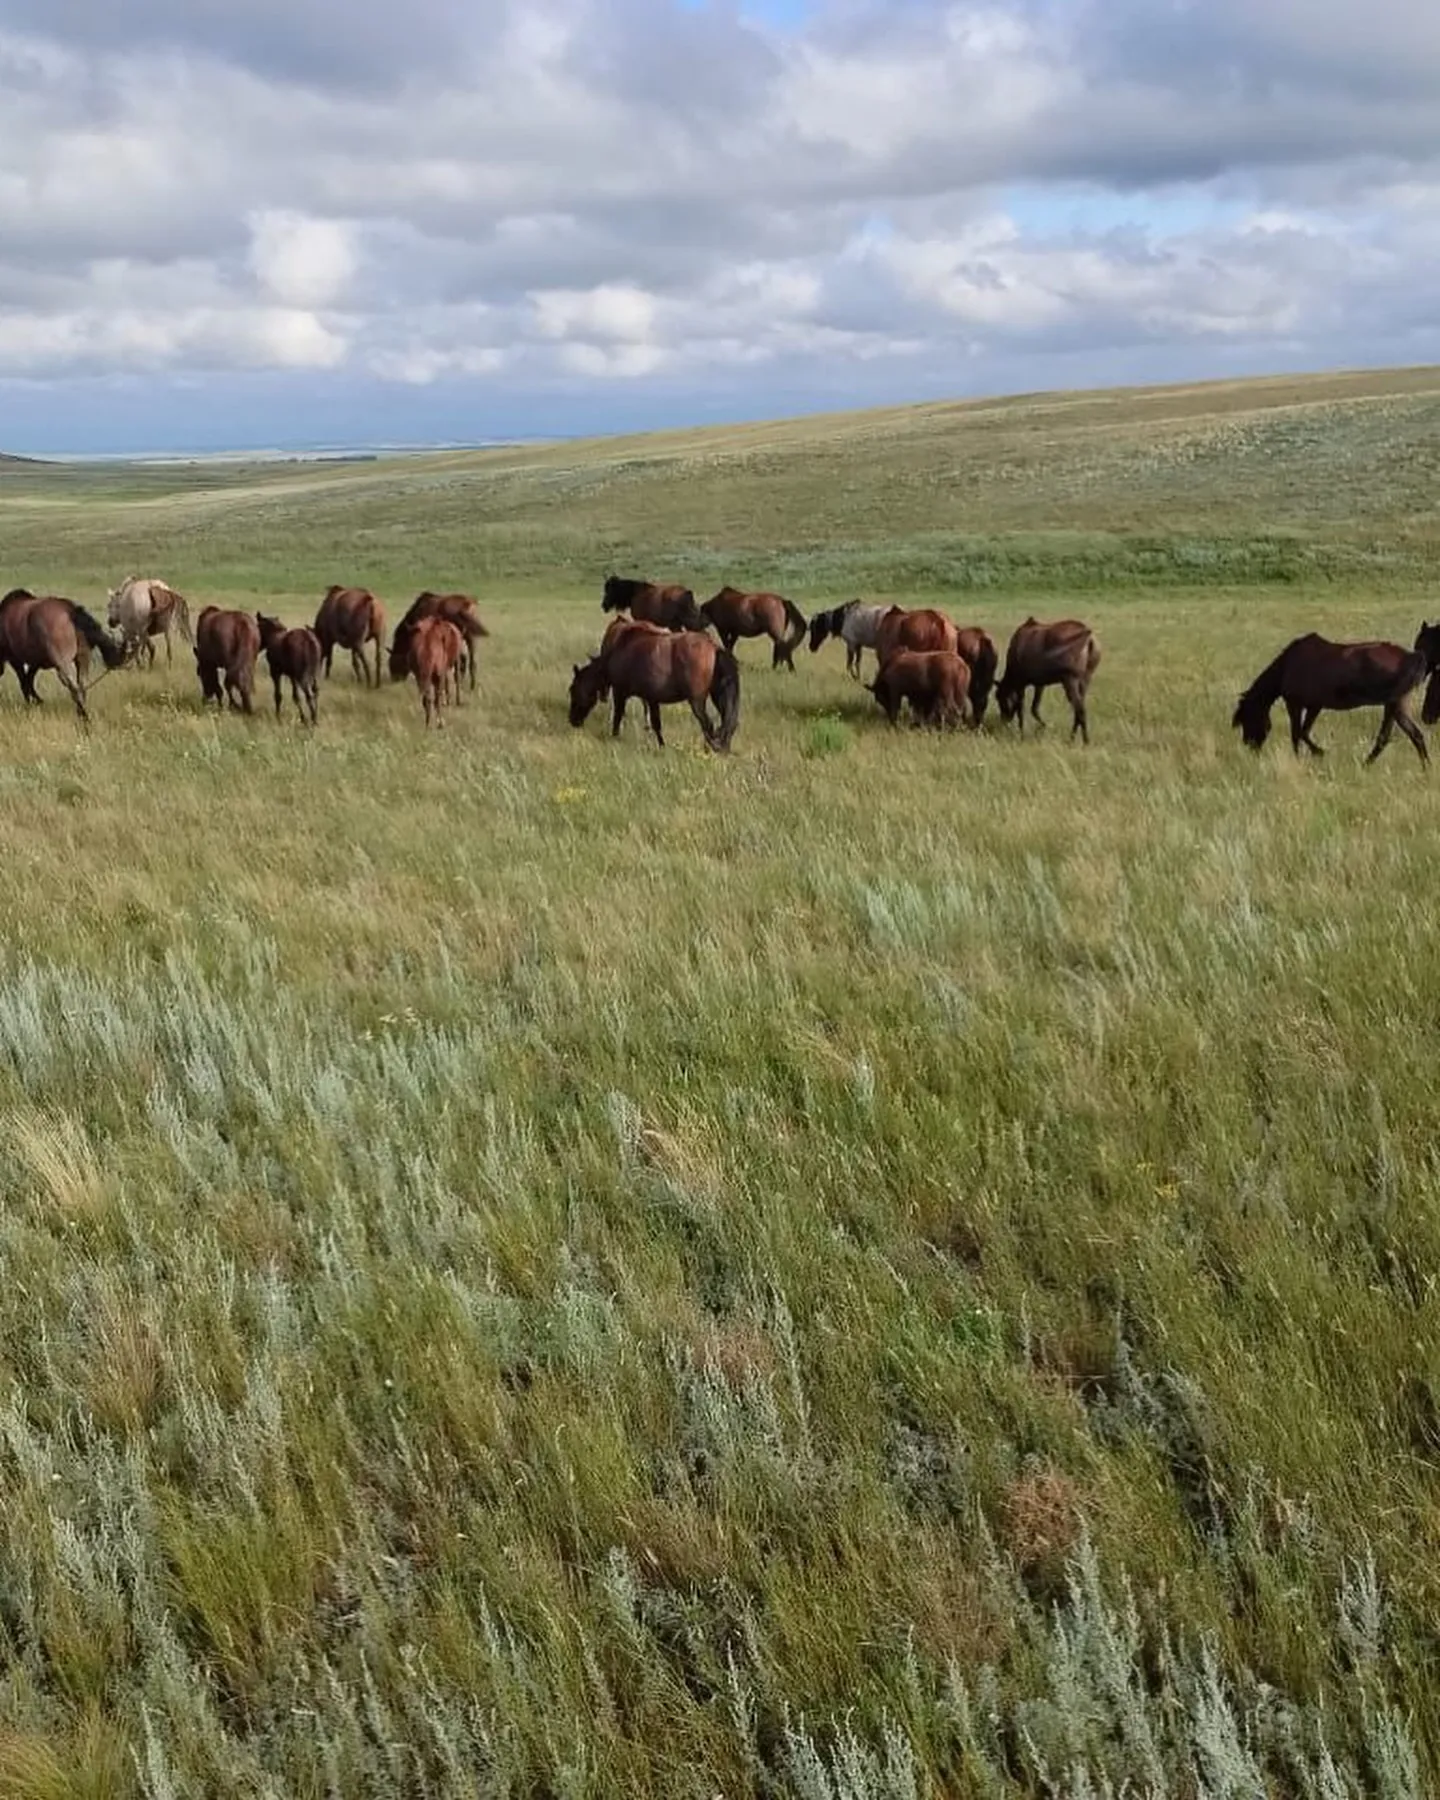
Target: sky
[295, 222]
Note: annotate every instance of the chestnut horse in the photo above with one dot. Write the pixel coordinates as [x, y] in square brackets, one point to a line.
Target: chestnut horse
[293, 656]
[662, 669]
[46, 632]
[351, 618]
[925, 629]
[459, 609]
[1062, 654]
[735, 615]
[935, 682]
[226, 646]
[1312, 675]
[436, 648]
[673, 607]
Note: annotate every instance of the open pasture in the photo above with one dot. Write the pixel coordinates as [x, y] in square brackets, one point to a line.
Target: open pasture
[882, 1264]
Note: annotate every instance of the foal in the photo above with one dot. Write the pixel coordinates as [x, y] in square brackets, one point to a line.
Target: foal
[293, 656]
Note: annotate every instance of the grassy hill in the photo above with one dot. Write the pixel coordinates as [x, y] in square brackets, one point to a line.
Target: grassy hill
[874, 1266]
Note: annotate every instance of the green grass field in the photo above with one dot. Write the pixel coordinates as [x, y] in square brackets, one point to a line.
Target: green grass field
[874, 1266]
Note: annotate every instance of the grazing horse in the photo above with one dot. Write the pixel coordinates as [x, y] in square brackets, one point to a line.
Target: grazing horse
[436, 647]
[935, 682]
[1311, 674]
[293, 656]
[226, 646]
[673, 607]
[46, 632]
[1063, 654]
[855, 624]
[459, 609]
[143, 609]
[977, 647]
[351, 618]
[921, 629]
[662, 669]
[735, 615]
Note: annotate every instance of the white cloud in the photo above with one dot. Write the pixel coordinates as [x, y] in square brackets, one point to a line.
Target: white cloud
[631, 192]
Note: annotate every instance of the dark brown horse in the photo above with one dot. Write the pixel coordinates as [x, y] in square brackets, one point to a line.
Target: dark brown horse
[1063, 654]
[1312, 675]
[673, 607]
[935, 682]
[1427, 642]
[351, 618]
[47, 632]
[977, 647]
[735, 615]
[459, 609]
[662, 670]
[436, 648]
[226, 646]
[293, 656]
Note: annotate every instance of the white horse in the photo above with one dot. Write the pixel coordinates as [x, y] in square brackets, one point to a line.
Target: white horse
[855, 624]
[144, 609]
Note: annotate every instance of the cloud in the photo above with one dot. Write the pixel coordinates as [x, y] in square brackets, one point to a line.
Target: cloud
[680, 199]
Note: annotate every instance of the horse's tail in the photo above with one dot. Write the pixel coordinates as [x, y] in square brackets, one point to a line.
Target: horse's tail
[97, 637]
[725, 692]
[1092, 654]
[982, 677]
[1430, 711]
[182, 613]
[798, 624]
[1252, 713]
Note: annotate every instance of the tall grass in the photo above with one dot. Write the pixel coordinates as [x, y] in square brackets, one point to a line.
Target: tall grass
[879, 1265]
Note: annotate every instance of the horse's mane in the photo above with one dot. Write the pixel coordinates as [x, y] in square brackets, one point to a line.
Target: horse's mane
[17, 594]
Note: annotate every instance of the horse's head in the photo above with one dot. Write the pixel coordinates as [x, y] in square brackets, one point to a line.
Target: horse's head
[1427, 642]
[821, 626]
[616, 596]
[269, 628]
[1009, 698]
[588, 688]
[691, 616]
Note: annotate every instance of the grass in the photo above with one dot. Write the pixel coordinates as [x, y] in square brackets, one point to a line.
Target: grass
[874, 1266]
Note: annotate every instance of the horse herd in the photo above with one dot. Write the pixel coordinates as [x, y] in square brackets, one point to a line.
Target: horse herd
[662, 649]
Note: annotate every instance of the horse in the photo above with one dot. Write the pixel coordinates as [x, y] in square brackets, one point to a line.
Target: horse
[935, 682]
[351, 618]
[459, 609]
[143, 609]
[1427, 642]
[922, 629]
[662, 669]
[735, 615]
[1062, 654]
[46, 632]
[855, 624]
[673, 607]
[1312, 674]
[435, 649]
[226, 646]
[977, 648]
[293, 656]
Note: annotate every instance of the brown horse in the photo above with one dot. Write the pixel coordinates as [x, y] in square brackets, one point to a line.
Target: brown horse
[673, 607]
[1427, 642]
[436, 647]
[977, 647]
[459, 609]
[922, 629]
[935, 682]
[293, 656]
[351, 618]
[662, 669]
[735, 615]
[1063, 654]
[1312, 675]
[226, 646]
[46, 632]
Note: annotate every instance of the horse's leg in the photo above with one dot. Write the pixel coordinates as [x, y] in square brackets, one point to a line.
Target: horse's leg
[853, 654]
[1035, 707]
[1387, 731]
[311, 691]
[1297, 724]
[360, 667]
[277, 700]
[74, 687]
[27, 684]
[1312, 713]
[702, 713]
[169, 648]
[1075, 694]
[1413, 732]
[618, 705]
[653, 708]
